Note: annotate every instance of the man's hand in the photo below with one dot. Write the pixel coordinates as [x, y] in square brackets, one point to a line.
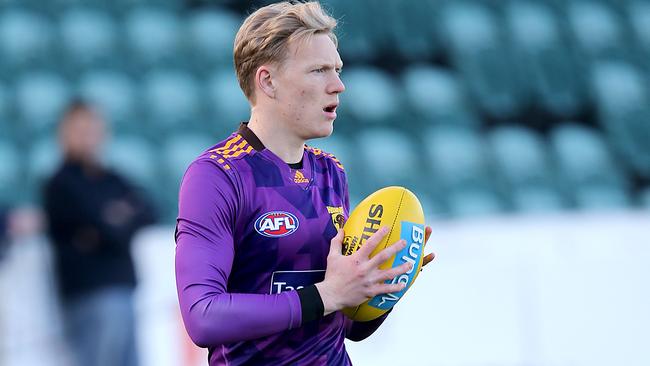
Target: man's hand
[429, 257]
[351, 280]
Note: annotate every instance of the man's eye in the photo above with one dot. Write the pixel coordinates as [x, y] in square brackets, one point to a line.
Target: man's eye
[319, 70]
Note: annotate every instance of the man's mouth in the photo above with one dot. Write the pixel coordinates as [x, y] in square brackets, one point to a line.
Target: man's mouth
[331, 108]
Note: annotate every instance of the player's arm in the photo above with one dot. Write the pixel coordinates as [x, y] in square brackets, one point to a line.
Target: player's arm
[208, 207]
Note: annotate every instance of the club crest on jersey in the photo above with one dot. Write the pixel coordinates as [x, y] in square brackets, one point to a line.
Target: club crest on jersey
[337, 216]
[276, 224]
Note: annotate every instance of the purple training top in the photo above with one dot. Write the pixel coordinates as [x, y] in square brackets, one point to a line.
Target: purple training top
[251, 230]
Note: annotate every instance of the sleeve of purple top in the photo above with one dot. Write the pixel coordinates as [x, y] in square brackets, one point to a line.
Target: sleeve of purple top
[358, 331]
[208, 202]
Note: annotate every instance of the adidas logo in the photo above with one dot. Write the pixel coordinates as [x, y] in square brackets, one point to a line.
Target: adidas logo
[299, 177]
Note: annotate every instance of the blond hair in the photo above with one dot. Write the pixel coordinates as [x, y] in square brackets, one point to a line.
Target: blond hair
[265, 35]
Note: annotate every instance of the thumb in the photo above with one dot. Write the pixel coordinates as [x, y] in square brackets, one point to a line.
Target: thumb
[336, 245]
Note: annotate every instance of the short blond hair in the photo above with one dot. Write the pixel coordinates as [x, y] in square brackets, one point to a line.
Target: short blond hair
[265, 35]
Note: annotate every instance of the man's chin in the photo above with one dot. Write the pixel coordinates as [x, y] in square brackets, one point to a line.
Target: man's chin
[321, 133]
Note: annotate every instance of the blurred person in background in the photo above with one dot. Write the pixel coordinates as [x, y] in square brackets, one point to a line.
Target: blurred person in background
[93, 213]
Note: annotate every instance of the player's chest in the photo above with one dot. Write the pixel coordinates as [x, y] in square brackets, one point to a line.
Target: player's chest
[291, 228]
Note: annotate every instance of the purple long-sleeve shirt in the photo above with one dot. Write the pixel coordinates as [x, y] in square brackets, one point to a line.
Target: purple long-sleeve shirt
[253, 232]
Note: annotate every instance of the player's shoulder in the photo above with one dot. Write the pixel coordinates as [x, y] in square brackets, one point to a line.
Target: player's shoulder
[227, 153]
[324, 157]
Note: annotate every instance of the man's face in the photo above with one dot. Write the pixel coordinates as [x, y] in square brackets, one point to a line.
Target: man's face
[82, 135]
[308, 86]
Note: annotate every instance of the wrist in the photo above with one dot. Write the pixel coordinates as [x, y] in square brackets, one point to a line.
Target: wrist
[329, 305]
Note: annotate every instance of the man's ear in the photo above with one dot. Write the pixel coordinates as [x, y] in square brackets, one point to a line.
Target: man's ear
[264, 80]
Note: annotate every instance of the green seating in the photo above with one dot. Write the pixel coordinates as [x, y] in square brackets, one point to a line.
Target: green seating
[371, 96]
[210, 36]
[471, 33]
[171, 99]
[388, 156]
[622, 98]
[40, 97]
[134, 157]
[11, 180]
[153, 37]
[586, 166]
[89, 37]
[436, 96]
[551, 74]
[227, 105]
[596, 30]
[115, 95]
[26, 40]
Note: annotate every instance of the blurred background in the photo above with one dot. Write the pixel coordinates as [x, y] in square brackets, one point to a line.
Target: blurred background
[522, 125]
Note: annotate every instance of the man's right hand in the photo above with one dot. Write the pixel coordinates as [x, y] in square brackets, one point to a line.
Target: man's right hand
[351, 280]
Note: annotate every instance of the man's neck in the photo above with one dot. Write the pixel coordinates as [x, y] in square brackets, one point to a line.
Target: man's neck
[277, 138]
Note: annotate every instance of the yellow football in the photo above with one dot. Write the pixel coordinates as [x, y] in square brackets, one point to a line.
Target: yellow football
[399, 210]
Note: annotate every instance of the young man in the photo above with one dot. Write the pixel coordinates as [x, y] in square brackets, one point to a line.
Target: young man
[260, 274]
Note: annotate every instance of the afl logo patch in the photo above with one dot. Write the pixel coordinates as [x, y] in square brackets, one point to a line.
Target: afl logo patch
[276, 224]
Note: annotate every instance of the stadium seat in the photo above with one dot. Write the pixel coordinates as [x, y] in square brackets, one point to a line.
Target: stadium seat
[153, 36]
[25, 40]
[472, 202]
[536, 199]
[431, 206]
[584, 161]
[359, 29]
[519, 156]
[210, 35]
[135, 158]
[521, 164]
[40, 98]
[645, 198]
[596, 30]
[10, 173]
[5, 108]
[436, 96]
[388, 156]
[457, 157]
[622, 97]
[540, 52]
[171, 97]
[178, 152]
[113, 92]
[43, 159]
[471, 33]
[226, 101]
[371, 96]
[601, 197]
[638, 13]
[400, 37]
[341, 145]
[89, 37]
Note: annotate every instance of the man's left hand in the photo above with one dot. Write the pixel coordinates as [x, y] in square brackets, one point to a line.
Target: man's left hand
[429, 257]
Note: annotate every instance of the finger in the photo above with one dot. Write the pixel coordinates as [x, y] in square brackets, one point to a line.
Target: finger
[336, 244]
[427, 234]
[428, 258]
[391, 273]
[386, 288]
[387, 253]
[372, 242]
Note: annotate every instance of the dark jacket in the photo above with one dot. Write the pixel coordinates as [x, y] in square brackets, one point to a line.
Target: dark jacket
[92, 214]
